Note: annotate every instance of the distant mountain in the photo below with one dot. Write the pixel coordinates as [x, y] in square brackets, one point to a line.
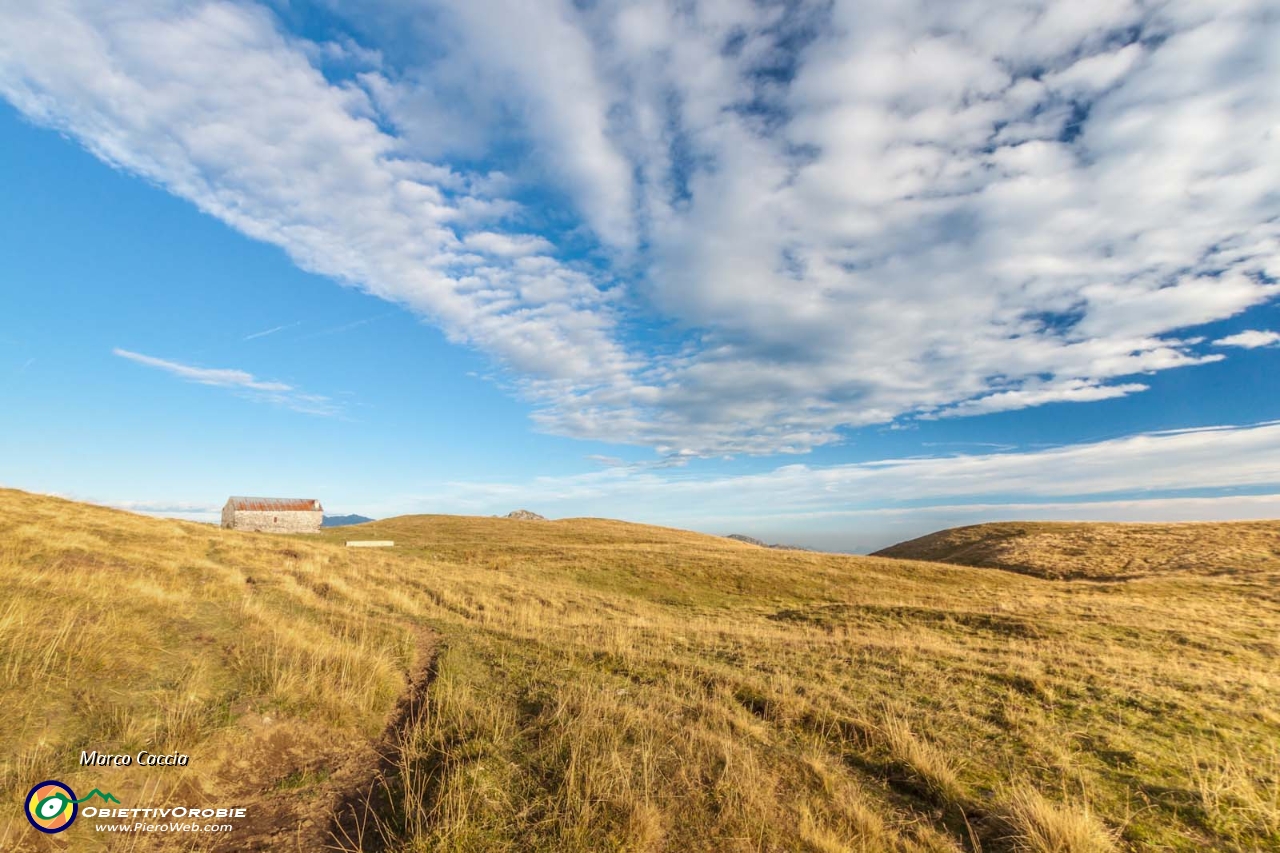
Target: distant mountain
[524, 515]
[751, 540]
[343, 520]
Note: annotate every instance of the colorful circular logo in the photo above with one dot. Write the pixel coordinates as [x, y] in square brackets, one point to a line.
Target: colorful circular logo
[51, 806]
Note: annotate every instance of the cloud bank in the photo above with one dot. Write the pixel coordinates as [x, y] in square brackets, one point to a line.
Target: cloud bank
[863, 506]
[722, 227]
[1162, 462]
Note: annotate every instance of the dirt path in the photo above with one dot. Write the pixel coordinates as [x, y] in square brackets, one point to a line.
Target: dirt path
[343, 812]
[353, 825]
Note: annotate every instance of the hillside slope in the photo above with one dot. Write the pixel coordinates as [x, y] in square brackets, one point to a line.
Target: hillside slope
[596, 685]
[1100, 551]
[260, 657]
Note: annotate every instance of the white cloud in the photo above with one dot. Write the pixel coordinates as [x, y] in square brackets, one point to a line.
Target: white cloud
[226, 378]
[541, 50]
[1072, 391]
[507, 245]
[278, 393]
[841, 213]
[1250, 339]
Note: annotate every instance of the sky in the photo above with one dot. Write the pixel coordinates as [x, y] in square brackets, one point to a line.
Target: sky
[832, 273]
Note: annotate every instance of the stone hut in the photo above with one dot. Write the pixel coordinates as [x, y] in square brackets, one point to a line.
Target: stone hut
[273, 515]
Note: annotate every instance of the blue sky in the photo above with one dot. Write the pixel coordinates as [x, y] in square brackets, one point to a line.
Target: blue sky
[822, 273]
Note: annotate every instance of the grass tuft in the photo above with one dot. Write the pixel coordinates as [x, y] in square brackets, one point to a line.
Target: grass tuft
[1042, 826]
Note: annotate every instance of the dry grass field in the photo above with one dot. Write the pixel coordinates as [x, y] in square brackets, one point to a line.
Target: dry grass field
[595, 685]
[1077, 550]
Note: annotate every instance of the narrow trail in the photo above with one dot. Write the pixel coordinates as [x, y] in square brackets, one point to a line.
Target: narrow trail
[364, 800]
[347, 812]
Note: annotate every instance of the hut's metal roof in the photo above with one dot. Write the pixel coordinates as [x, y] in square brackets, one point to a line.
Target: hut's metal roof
[275, 504]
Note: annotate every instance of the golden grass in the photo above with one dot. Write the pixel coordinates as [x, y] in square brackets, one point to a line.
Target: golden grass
[928, 763]
[604, 686]
[1042, 826]
[1239, 796]
[1077, 550]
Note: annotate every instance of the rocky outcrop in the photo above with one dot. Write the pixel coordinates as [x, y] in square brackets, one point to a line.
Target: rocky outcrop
[524, 515]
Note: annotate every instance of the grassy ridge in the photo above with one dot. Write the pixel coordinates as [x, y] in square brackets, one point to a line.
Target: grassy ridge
[605, 686]
[1079, 550]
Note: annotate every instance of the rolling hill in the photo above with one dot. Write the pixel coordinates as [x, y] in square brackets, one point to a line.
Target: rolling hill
[583, 685]
[1079, 550]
